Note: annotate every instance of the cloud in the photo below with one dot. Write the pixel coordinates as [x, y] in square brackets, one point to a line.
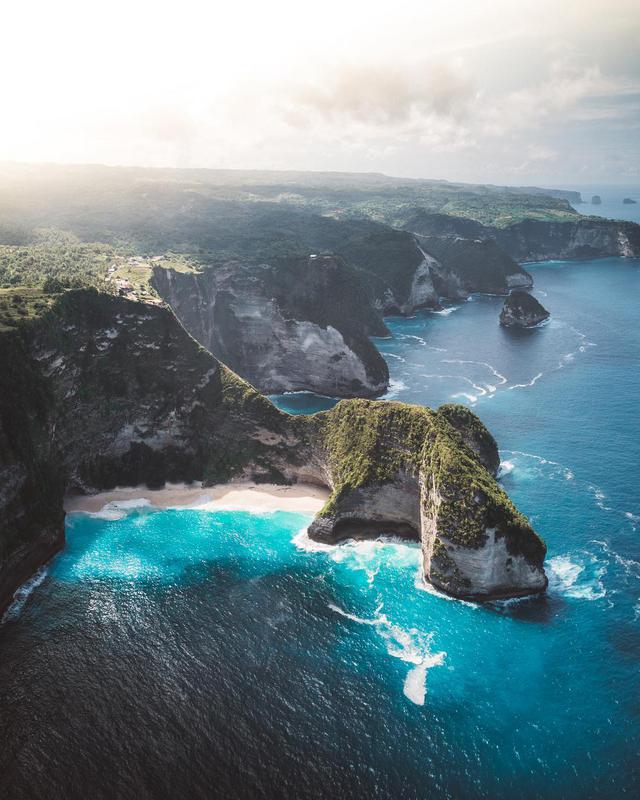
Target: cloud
[385, 92]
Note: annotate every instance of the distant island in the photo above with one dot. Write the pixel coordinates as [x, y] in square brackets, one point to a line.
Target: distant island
[629, 201]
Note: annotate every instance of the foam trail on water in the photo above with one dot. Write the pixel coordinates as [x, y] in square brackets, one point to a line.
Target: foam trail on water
[486, 364]
[415, 684]
[525, 385]
[411, 646]
[22, 594]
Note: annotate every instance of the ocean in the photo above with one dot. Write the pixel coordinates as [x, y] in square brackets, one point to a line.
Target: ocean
[612, 196]
[194, 654]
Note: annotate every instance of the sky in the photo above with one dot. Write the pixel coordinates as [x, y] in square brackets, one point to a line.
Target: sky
[515, 92]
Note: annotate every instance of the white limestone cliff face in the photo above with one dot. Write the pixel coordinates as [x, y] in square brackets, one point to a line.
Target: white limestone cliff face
[423, 293]
[234, 314]
[486, 572]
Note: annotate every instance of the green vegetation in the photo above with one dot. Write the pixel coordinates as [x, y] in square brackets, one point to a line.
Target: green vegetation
[470, 500]
[20, 305]
[72, 223]
[500, 210]
[368, 443]
[54, 264]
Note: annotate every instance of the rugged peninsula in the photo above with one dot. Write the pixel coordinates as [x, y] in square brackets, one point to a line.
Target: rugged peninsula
[522, 310]
[106, 391]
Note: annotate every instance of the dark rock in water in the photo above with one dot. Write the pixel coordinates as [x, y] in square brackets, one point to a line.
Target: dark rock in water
[521, 310]
[629, 201]
[596, 200]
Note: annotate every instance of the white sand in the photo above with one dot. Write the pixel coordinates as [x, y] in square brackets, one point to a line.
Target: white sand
[234, 496]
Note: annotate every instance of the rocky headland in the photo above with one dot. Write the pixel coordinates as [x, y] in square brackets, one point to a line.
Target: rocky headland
[108, 392]
[536, 239]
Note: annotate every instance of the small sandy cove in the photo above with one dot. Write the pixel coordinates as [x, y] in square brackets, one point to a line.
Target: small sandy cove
[256, 498]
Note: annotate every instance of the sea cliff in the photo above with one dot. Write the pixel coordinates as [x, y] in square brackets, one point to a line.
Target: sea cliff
[115, 392]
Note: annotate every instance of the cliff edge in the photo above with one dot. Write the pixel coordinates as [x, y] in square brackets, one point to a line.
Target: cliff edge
[113, 392]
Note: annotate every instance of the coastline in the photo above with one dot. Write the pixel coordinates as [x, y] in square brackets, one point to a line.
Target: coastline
[256, 498]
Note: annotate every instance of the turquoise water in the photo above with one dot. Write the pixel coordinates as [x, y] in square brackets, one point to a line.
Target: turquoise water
[186, 653]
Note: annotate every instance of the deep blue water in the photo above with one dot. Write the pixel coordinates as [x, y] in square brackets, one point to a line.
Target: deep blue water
[193, 654]
[612, 205]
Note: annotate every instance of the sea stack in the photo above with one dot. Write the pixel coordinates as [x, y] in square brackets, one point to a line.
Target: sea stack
[629, 201]
[521, 310]
[596, 200]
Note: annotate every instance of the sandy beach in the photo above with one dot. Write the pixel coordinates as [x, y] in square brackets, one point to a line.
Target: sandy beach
[234, 496]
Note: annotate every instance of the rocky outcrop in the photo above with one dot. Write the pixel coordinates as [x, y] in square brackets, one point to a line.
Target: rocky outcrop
[452, 268]
[406, 470]
[115, 392]
[596, 200]
[629, 201]
[522, 310]
[464, 266]
[299, 325]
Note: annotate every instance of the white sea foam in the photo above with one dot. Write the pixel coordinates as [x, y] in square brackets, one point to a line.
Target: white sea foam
[415, 684]
[630, 565]
[364, 554]
[418, 339]
[409, 645]
[580, 578]
[505, 468]
[470, 397]
[525, 385]
[117, 509]
[421, 341]
[395, 387]
[559, 471]
[501, 378]
[352, 617]
[303, 541]
[444, 312]
[22, 594]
